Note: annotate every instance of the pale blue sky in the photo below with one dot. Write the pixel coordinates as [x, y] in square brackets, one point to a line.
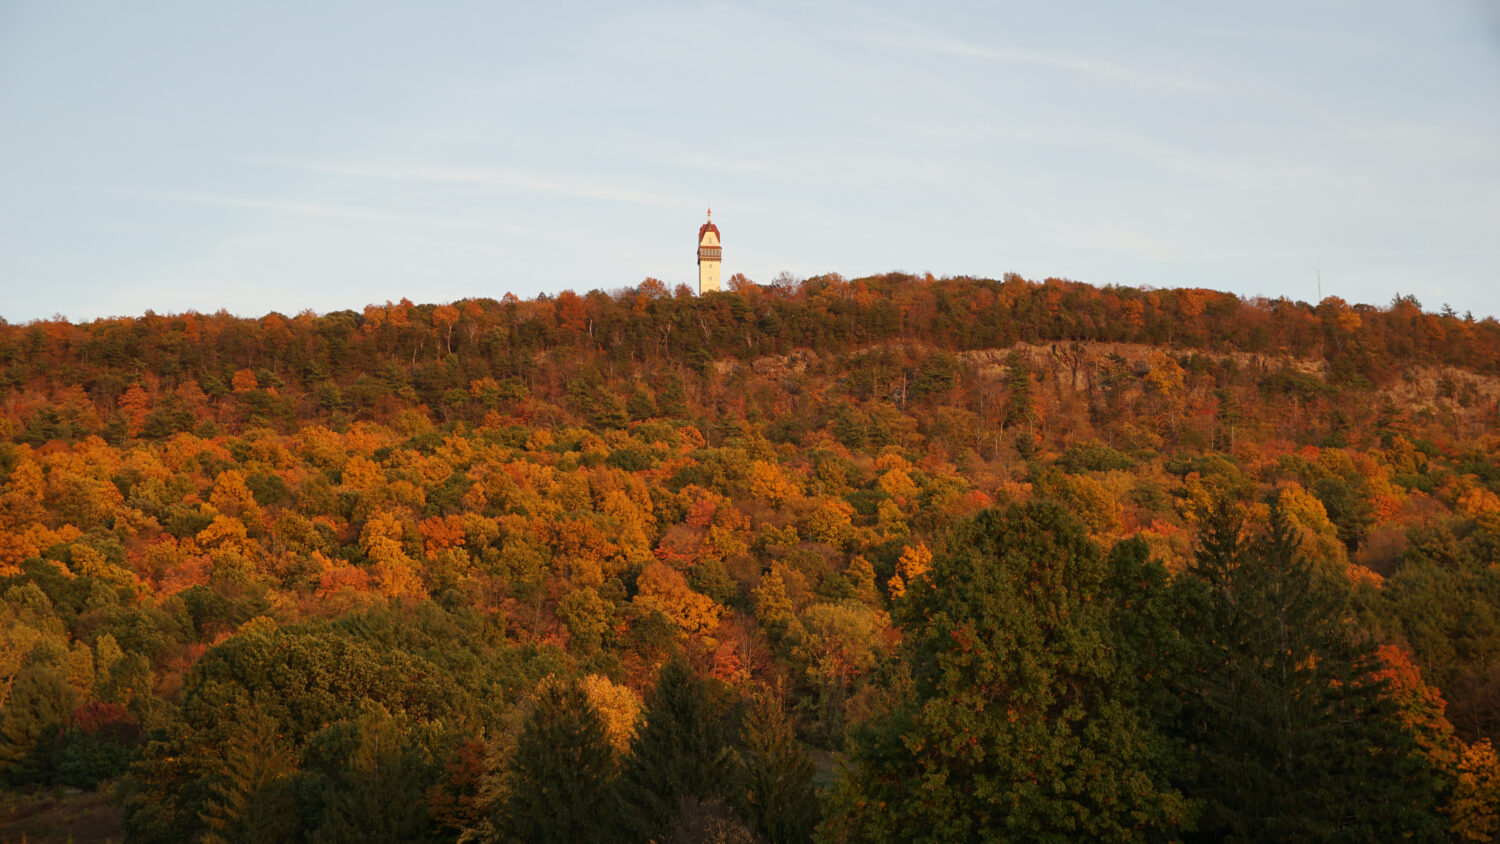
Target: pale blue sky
[290, 155]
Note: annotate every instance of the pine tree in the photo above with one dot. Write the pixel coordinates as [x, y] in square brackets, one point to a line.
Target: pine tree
[1294, 737]
[1221, 545]
[563, 773]
[1020, 410]
[251, 799]
[679, 752]
[40, 701]
[640, 406]
[672, 400]
[371, 799]
[775, 788]
[1226, 419]
[1152, 649]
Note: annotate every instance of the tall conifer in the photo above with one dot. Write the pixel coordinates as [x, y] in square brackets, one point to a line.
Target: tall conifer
[678, 753]
[563, 773]
[775, 788]
[1293, 734]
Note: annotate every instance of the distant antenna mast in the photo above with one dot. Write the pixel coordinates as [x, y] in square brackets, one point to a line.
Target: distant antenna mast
[1319, 264]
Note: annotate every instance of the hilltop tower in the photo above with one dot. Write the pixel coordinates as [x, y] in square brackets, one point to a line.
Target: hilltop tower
[709, 255]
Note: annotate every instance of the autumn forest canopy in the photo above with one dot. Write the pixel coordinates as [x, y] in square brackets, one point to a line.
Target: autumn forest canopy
[885, 559]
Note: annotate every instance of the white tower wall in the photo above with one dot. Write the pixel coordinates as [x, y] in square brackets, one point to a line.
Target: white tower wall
[708, 268]
[710, 256]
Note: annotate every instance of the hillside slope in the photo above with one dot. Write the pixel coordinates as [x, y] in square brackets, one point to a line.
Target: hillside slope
[270, 557]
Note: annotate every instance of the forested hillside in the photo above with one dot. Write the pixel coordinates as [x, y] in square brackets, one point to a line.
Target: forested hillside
[889, 559]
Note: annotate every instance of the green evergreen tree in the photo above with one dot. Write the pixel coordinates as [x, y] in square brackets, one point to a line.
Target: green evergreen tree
[99, 743]
[679, 752]
[563, 772]
[589, 395]
[40, 701]
[640, 406]
[775, 788]
[378, 794]
[1216, 565]
[1020, 411]
[672, 400]
[1226, 419]
[252, 799]
[1154, 654]
[1293, 735]
[315, 685]
[1012, 729]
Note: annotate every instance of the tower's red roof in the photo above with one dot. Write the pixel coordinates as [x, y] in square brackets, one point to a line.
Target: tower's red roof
[708, 227]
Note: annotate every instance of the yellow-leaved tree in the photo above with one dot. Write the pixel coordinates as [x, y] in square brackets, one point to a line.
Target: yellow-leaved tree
[618, 706]
[395, 573]
[663, 589]
[915, 562]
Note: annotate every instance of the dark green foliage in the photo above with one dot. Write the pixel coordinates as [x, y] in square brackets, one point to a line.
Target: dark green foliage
[345, 704]
[849, 425]
[1444, 602]
[253, 798]
[711, 578]
[168, 418]
[269, 489]
[91, 744]
[1339, 428]
[1224, 471]
[1226, 419]
[629, 459]
[1289, 382]
[563, 774]
[866, 502]
[1293, 737]
[1344, 492]
[1093, 457]
[56, 423]
[678, 752]
[305, 680]
[99, 743]
[369, 798]
[128, 682]
[1347, 501]
[589, 396]
[640, 406]
[1019, 411]
[1011, 729]
[83, 760]
[672, 399]
[1219, 552]
[935, 378]
[38, 708]
[1146, 614]
[775, 777]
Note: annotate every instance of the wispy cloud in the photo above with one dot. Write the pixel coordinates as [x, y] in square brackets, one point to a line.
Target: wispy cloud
[340, 212]
[586, 188]
[1247, 168]
[1105, 70]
